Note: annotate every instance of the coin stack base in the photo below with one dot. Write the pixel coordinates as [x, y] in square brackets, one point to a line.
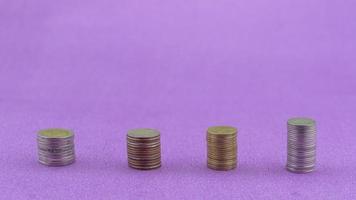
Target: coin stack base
[301, 145]
[55, 147]
[144, 149]
[222, 148]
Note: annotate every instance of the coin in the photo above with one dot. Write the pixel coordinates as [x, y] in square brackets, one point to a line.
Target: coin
[55, 133]
[143, 133]
[301, 145]
[301, 122]
[55, 147]
[144, 149]
[222, 131]
[221, 147]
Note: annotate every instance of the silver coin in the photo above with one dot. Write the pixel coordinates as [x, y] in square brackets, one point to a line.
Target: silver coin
[55, 147]
[144, 149]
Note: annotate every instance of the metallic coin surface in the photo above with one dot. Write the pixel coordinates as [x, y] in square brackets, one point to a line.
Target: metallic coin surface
[301, 145]
[222, 130]
[143, 133]
[55, 147]
[144, 149]
[300, 122]
[221, 147]
[55, 133]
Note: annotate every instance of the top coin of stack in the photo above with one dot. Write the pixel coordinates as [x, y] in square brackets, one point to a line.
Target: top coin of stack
[222, 147]
[144, 149]
[55, 147]
[301, 145]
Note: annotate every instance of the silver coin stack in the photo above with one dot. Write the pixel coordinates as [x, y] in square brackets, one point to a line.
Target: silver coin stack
[301, 145]
[55, 147]
[144, 149]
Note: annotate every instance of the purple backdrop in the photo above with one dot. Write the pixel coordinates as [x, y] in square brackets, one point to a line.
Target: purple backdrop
[102, 67]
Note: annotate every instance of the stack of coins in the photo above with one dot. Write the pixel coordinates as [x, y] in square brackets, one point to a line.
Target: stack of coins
[222, 147]
[144, 149]
[301, 145]
[55, 147]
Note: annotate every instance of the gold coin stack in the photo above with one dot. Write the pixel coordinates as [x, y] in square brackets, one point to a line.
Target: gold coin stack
[222, 147]
[144, 149]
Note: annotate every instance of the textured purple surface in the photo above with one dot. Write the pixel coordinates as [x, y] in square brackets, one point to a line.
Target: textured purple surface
[105, 66]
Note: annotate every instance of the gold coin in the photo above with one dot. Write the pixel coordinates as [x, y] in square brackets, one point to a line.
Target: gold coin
[55, 133]
[143, 133]
[222, 167]
[222, 130]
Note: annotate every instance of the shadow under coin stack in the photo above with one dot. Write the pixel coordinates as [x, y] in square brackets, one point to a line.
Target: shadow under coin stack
[222, 147]
[144, 149]
[301, 145]
[55, 147]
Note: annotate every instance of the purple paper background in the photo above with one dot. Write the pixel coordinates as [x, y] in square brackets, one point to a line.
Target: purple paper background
[105, 66]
